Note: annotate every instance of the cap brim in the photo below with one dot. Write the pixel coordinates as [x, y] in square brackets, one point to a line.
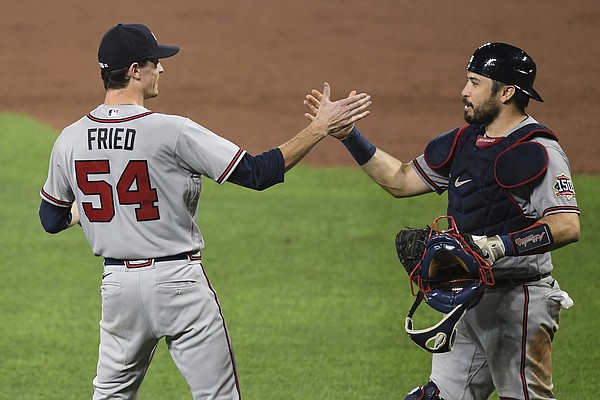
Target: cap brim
[164, 51]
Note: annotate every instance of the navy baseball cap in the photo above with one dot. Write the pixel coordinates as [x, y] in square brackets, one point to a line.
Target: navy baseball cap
[124, 44]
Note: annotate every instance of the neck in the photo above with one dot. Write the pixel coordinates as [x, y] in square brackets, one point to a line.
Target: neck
[504, 123]
[123, 96]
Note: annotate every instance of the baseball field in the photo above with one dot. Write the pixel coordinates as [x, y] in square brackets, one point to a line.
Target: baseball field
[306, 272]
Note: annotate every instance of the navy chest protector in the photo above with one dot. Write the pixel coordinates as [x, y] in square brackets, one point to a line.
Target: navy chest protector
[482, 176]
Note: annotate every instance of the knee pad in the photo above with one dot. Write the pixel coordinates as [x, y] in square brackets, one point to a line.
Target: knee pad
[426, 392]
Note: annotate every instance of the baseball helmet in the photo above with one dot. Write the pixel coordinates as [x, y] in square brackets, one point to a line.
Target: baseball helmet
[507, 64]
[451, 278]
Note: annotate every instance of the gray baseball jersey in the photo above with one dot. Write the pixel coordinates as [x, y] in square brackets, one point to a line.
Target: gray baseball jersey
[142, 203]
[554, 194]
[504, 343]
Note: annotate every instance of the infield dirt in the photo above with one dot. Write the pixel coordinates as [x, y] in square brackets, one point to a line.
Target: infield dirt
[245, 66]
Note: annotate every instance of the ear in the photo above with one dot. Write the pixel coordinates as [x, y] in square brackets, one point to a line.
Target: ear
[134, 71]
[507, 93]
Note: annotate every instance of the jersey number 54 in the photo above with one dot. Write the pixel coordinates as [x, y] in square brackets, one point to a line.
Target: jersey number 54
[133, 188]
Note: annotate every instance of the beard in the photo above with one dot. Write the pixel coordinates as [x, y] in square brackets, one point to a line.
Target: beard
[483, 114]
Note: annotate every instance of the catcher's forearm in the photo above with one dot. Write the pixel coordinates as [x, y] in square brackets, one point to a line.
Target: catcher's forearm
[535, 239]
[565, 228]
[549, 233]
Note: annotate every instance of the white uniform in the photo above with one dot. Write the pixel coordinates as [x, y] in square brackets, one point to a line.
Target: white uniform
[136, 177]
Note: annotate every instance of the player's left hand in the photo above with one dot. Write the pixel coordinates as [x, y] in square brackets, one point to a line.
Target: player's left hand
[491, 248]
[320, 103]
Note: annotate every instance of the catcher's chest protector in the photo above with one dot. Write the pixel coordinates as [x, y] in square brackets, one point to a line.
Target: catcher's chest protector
[476, 200]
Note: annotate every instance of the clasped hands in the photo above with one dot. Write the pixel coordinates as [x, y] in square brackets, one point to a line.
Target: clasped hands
[338, 116]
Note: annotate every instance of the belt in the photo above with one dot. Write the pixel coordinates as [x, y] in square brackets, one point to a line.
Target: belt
[519, 281]
[149, 261]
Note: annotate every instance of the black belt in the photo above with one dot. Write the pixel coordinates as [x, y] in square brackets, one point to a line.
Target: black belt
[149, 261]
[519, 281]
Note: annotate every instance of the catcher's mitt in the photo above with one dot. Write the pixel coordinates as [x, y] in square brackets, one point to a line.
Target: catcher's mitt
[410, 245]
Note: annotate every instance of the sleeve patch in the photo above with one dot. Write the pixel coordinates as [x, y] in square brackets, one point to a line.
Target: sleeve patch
[563, 187]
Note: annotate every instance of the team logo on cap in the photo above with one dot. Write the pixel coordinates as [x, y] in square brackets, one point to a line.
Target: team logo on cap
[564, 187]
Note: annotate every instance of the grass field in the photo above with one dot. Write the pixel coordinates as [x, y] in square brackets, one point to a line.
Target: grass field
[307, 276]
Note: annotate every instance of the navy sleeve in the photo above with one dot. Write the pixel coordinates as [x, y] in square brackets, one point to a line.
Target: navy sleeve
[53, 218]
[259, 172]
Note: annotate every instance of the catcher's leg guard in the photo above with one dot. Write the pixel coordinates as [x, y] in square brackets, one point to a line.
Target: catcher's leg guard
[426, 392]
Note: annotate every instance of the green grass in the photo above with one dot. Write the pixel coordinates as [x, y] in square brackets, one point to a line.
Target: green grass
[306, 272]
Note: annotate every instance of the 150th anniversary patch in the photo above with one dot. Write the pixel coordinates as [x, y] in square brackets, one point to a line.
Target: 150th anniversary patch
[564, 187]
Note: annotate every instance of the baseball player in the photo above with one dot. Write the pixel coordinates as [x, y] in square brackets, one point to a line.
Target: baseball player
[509, 187]
[132, 178]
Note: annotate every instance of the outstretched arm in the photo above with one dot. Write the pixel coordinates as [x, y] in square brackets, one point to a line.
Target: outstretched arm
[397, 178]
[267, 169]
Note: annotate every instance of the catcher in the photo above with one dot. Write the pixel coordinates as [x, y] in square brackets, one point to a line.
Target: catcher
[509, 183]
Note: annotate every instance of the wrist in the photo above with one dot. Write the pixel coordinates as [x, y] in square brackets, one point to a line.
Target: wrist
[508, 246]
[343, 134]
[359, 147]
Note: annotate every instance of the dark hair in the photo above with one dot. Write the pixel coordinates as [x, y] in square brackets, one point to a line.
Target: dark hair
[520, 99]
[119, 78]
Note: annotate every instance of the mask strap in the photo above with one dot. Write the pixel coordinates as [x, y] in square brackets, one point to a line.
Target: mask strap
[439, 338]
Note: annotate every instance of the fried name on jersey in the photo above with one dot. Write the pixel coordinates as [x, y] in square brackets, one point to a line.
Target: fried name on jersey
[111, 138]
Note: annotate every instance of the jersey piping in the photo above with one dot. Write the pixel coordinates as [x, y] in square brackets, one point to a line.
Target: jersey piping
[231, 165]
[119, 120]
[561, 209]
[524, 343]
[54, 200]
[425, 177]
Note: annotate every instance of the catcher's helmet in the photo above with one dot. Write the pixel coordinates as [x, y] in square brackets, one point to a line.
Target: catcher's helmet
[451, 278]
[507, 64]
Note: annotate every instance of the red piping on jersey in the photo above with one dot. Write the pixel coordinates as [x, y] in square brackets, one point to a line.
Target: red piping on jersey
[230, 166]
[55, 200]
[110, 121]
[524, 343]
[557, 209]
[424, 175]
[235, 374]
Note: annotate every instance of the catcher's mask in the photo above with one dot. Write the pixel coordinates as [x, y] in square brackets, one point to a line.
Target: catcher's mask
[451, 278]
